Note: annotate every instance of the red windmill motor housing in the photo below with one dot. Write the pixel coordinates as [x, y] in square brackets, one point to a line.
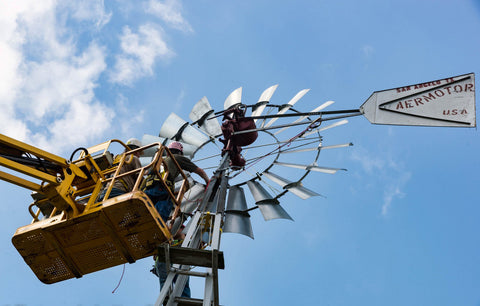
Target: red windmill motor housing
[234, 121]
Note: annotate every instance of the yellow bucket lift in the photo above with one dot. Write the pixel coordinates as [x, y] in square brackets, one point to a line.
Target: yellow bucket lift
[74, 231]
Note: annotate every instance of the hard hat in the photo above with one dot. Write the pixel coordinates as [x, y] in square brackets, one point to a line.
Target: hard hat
[133, 143]
[176, 146]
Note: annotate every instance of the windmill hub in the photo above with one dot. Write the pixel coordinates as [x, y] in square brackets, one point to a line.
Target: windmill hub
[235, 121]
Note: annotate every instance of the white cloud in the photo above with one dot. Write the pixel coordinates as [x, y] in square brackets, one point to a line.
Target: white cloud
[89, 10]
[46, 83]
[53, 85]
[367, 50]
[394, 190]
[90, 119]
[169, 11]
[386, 173]
[368, 162]
[65, 103]
[139, 53]
[180, 100]
[132, 117]
[50, 67]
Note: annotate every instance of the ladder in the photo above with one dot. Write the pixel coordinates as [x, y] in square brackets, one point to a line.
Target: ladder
[206, 221]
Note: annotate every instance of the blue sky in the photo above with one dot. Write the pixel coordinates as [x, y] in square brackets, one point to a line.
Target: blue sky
[400, 227]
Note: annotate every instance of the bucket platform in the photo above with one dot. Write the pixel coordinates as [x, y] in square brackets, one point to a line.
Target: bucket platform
[119, 230]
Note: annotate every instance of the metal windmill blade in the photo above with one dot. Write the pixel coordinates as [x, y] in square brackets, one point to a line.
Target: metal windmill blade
[237, 219]
[311, 167]
[265, 97]
[319, 147]
[233, 99]
[188, 149]
[203, 115]
[287, 106]
[178, 129]
[324, 105]
[269, 206]
[192, 198]
[295, 187]
[177, 184]
[149, 139]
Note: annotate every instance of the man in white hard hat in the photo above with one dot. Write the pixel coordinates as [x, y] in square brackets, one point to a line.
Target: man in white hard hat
[133, 143]
[126, 183]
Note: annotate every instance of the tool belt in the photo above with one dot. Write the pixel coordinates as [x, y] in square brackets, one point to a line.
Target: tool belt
[153, 181]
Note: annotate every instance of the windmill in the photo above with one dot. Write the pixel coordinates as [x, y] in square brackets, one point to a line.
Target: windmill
[257, 147]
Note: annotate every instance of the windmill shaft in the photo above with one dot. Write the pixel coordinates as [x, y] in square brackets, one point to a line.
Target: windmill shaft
[350, 113]
[269, 128]
[346, 111]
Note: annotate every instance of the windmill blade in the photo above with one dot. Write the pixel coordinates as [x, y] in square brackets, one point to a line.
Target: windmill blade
[149, 139]
[233, 99]
[260, 194]
[294, 149]
[236, 199]
[338, 123]
[273, 211]
[145, 160]
[188, 149]
[269, 206]
[310, 167]
[290, 103]
[263, 101]
[319, 147]
[178, 129]
[202, 114]
[179, 182]
[312, 140]
[192, 197]
[237, 219]
[295, 187]
[324, 105]
[238, 223]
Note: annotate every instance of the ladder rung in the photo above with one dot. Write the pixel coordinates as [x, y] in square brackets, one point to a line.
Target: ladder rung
[191, 273]
[192, 257]
[182, 301]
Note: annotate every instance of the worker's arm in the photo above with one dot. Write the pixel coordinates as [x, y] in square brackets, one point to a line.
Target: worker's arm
[203, 175]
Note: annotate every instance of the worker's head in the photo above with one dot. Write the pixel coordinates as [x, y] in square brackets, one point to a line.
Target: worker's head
[176, 147]
[133, 143]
